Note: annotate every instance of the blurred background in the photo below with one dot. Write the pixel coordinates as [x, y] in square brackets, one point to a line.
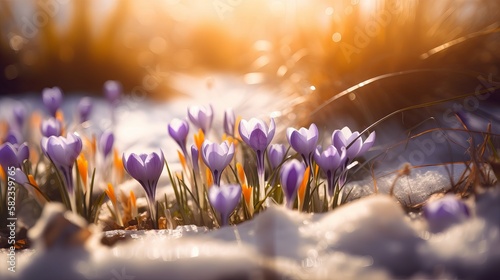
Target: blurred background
[306, 51]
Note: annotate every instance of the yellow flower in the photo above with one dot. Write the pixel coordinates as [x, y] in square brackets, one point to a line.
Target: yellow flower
[182, 159]
[38, 196]
[60, 118]
[110, 192]
[230, 139]
[2, 174]
[245, 189]
[118, 163]
[199, 137]
[302, 187]
[210, 179]
[241, 174]
[83, 167]
[133, 205]
[236, 130]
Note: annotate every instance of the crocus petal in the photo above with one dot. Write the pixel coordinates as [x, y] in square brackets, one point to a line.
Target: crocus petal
[217, 157]
[19, 113]
[13, 137]
[368, 143]
[291, 176]
[57, 151]
[146, 169]
[23, 152]
[20, 177]
[8, 156]
[194, 158]
[106, 143]
[258, 140]
[85, 108]
[178, 129]
[154, 164]
[52, 99]
[229, 120]
[442, 213]
[354, 148]
[338, 139]
[201, 117]
[112, 91]
[304, 140]
[43, 145]
[276, 154]
[328, 160]
[256, 134]
[244, 129]
[271, 131]
[51, 127]
[134, 165]
[224, 199]
[74, 144]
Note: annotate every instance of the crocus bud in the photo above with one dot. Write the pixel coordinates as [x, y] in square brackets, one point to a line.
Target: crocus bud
[106, 143]
[51, 127]
[52, 99]
[303, 141]
[202, 117]
[112, 91]
[442, 213]
[292, 173]
[229, 120]
[224, 199]
[85, 108]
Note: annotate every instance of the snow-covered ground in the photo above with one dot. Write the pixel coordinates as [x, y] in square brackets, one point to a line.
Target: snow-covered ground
[371, 238]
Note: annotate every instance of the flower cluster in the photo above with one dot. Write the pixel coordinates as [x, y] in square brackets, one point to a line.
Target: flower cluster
[54, 159]
[224, 178]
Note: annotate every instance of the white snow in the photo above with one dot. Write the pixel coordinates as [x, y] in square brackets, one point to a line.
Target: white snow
[371, 238]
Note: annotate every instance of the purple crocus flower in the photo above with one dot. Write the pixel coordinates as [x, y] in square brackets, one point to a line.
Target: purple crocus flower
[303, 141]
[344, 138]
[19, 113]
[202, 117]
[224, 200]
[106, 142]
[444, 212]
[63, 151]
[146, 169]
[178, 129]
[292, 173]
[257, 135]
[229, 120]
[13, 155]
[331, 161]
[112, 91]
[194, 157]
[51, 127]
[276, 154]
[84, 109]
[52, 98]
[217, 157]
[13, 136]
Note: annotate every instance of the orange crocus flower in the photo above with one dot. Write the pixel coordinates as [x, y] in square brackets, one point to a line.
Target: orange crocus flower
[83, 167]
[302, 187]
